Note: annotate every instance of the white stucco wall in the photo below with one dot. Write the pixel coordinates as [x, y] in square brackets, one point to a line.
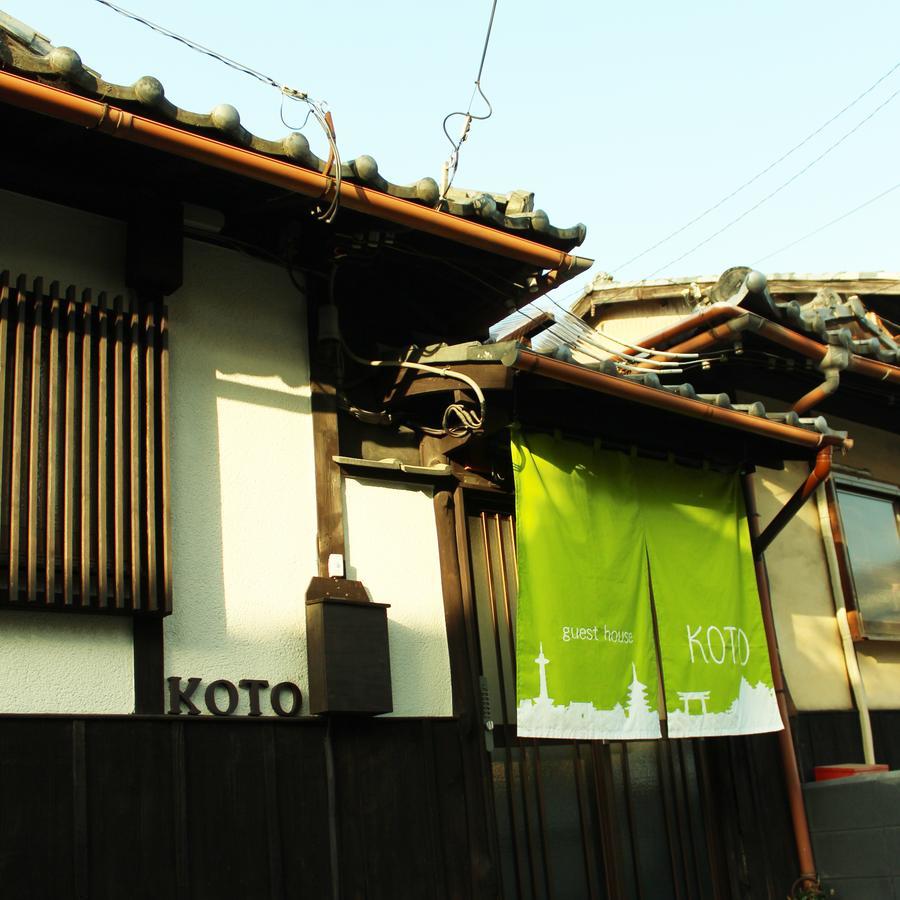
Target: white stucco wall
[802, 598]
[243, 495]
[392, 548]
[243, 488]
[56, 663]
[802, 602]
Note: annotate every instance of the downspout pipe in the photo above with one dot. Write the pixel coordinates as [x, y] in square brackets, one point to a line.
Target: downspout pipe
[854, 675]
[819, 393]
[77, 110]
[789, 765]
[821, 470]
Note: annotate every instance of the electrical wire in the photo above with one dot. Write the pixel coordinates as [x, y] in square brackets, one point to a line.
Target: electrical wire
[316, 108]
[452, 163]
[193, 45]
[840, 218]
[780, 187]
[469, 420]
[762, 172]
[593, 332]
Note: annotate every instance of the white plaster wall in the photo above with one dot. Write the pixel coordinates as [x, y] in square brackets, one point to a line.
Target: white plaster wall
[59, 663]
[243, 488]
[392, 548]
[802, 599]
[802, 602]
[632, 322]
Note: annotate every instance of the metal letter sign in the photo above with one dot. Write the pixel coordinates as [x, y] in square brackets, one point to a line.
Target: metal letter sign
[222, 697]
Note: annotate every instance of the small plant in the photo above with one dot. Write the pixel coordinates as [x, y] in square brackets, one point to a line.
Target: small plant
[809, 889]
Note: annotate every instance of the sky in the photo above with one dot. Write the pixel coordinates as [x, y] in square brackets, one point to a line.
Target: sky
[633, 118]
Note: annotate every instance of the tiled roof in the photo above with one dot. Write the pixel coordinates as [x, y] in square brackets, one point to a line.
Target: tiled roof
[828, 307]
[29, 53]
[507, 352]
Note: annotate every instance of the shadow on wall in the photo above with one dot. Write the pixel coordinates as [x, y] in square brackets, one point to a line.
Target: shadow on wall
[243, 490]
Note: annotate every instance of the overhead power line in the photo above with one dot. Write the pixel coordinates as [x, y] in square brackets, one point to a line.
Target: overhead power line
[759, 174]
[316, 108]
[834, 221]
[780, 187]
[452, 163]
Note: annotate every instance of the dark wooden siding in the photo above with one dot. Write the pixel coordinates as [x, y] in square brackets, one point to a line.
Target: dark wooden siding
[106, 808]
[824, 738]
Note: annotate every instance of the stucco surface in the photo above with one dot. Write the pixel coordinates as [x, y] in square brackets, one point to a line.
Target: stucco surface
[61, 244]
[392, 548]
[802, 602]
[243, 489]
[801, 589]
[56, 663]
[59, 663]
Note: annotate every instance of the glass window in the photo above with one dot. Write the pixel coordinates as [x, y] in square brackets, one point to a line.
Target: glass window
[871, 542]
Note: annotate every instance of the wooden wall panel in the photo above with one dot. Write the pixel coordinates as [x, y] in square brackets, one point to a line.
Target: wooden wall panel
[37, 810]
[84, 507]
[302, 804]
[227, 809]
[130, 789]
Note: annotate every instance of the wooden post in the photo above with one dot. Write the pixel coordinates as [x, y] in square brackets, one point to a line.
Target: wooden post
[323, 372]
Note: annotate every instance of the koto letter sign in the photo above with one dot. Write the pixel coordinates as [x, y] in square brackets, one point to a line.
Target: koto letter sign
[221, 697]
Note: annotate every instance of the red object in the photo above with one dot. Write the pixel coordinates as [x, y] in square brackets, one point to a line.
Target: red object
[844, 770]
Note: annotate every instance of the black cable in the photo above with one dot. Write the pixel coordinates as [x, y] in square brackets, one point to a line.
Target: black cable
[760, 174]
[469, 116]
[316, 109]
[840, 218]
[193, 45]
[780, 187]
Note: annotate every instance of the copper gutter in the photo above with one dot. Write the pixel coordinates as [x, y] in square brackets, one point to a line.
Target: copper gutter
[713, 314]
[790, 768]
[68, 107]
[580, 376]
[777, 334]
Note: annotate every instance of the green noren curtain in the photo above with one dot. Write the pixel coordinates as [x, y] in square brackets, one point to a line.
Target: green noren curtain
[595, 529]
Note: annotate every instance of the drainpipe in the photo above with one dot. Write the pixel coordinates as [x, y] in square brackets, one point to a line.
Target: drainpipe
[68, 107]
[821, 470]
[790, 768]
[819, 393]
[853, 673]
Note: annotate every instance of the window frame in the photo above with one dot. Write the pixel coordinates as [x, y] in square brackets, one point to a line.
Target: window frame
[861, 627]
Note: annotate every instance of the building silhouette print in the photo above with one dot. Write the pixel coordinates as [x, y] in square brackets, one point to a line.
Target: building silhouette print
[540, 716]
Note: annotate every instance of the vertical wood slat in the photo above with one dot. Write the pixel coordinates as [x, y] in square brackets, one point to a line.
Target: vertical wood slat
[164, 470]
[86, 419]
[52, 474]
[79, 384]
[35, 440]
[118, 460]
[68, 574]
[15, 483]
[134, 455]
[102, 450]
[4, 337]
[150, 479]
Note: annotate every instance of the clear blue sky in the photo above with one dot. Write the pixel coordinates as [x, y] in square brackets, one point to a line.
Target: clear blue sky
[632, 118]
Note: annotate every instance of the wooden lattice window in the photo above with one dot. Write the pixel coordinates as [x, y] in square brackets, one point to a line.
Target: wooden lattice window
[84, 486]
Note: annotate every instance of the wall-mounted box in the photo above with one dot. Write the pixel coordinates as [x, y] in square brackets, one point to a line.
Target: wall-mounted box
[347, 649]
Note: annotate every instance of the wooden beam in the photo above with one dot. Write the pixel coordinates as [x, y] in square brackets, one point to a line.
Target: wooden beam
[323, 361]
[489, 376]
